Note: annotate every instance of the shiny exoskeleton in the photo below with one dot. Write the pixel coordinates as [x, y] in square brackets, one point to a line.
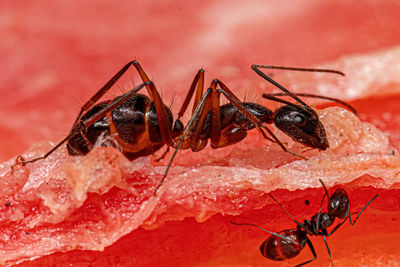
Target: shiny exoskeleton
[133, 126]
[289, 243]
[140, 125]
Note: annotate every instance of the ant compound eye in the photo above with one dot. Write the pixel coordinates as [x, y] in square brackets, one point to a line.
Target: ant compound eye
[299, 119]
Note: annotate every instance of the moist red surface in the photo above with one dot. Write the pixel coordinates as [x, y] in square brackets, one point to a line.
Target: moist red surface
[89, 202]
[42, 55]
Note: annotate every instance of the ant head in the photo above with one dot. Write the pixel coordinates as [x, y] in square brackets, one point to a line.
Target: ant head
[302, 125]
[339, 204]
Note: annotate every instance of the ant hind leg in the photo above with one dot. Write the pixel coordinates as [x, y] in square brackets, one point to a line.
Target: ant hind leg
[310, 245]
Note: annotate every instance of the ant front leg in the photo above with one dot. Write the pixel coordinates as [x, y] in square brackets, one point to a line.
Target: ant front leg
[327, 248]
[349, 213]
[208, 104]
[256, 121]
[193, 125]
[337, 226]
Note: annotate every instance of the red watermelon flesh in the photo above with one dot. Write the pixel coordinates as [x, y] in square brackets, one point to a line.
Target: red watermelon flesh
[65, 203]
[47, 67]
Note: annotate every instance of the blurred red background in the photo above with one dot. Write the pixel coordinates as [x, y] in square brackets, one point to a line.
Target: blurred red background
[56, 54]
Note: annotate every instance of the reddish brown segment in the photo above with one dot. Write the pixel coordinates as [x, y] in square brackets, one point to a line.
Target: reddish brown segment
[139, 125]
[278, 249]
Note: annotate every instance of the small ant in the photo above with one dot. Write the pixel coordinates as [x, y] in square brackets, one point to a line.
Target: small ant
[289, 243]
[141, 125]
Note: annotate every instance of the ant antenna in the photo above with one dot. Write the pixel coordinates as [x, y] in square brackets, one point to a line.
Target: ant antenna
[320, 208]
[271, 96]
[272, 233]
[326, 190]
[290, 216]
[257, 67]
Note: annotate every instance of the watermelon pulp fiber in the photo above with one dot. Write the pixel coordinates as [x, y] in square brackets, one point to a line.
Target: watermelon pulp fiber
[64, 48]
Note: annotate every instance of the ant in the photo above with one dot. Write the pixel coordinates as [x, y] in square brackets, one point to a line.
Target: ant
[142, 124]
[289, 243]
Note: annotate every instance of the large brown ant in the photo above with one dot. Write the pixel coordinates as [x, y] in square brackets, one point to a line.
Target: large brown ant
[142, 124]
[289, 243]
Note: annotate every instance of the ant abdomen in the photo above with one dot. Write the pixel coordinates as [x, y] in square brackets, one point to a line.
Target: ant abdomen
[133, 126]
[83, 141]
[278, 249]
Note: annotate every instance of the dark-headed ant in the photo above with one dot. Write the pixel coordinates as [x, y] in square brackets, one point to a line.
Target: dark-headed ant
[141, 125]
[289, 243]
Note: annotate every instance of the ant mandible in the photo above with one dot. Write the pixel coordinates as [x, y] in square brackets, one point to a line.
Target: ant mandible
[141, 125]
[289, 243]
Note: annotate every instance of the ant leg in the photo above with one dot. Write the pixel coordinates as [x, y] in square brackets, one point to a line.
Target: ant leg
[341, 223]
[369, 202]
[218, 139]
[163, 121]
[211, 98]
[256, 68]
[272, 233]
[199, 81]
[338, 226]
[310, 245]
[272, 97]
[150, 88]
[194, 121]
[107, 87]
[327, 247]
[165, 129]
[84, 124]
[84, 108]
[163, 155]
[166, 132]
[237, 103]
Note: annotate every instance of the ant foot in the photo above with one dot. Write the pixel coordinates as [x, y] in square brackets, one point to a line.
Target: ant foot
[19, 161]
